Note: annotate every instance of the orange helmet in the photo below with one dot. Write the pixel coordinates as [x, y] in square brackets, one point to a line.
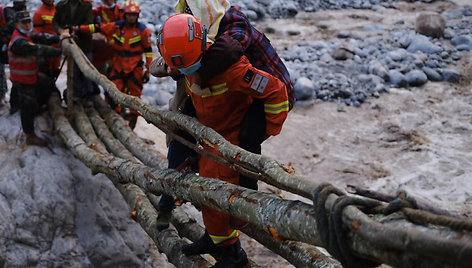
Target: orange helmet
[182, 41]
[131, 7]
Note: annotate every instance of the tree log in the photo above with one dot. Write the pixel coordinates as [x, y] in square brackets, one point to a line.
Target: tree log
[86, 130]
[113, 145]
[168, 240]
[128, 138]
[395, 242]
[272, 172]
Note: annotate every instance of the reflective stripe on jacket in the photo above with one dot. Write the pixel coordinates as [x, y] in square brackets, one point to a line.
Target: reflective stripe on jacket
[42, 19]
[108, 14]
[23, 69]
[130, 43]
[223, 101]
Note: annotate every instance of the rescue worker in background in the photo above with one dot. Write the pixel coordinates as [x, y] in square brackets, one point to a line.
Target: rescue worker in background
[108, 12]
[42, 23]
[33, 87]
[220, 103]
[131, 40]
[77, 12]
[225, 21]
[103, 51]
[7, 26]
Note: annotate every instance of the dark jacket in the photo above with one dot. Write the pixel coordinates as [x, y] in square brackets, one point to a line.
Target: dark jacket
[82, 16]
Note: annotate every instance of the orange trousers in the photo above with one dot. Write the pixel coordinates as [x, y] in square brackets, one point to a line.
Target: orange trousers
[217, 223]
[131, 84]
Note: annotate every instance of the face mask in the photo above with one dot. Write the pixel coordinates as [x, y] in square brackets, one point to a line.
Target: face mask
[25, 31]
[191, 69]
[110, 6]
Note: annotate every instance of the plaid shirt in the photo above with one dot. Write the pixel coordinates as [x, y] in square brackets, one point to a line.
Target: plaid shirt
[257, 47]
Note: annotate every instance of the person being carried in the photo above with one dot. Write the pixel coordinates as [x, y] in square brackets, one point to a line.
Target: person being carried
[220, 103]
[131, 41]
[225, 23]
[33, 87]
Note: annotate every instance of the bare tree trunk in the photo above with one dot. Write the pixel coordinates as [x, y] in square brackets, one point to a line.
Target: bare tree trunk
[132, 142]
[107, 137]
[298, 254]
[391, 240]
[168, 240]
[86, 130]
[271, 171]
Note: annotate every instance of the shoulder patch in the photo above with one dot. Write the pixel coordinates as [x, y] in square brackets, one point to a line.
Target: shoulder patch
[260, 83]
[141, 26]
[248, 76]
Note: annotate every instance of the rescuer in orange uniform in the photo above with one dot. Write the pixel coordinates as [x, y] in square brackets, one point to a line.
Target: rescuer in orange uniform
[108, 12]
[220, 103]
[131, 39]
[42, 22]
[103, 52]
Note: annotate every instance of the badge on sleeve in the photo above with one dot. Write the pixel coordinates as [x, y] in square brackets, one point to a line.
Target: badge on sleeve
[248, 76]
[259, 83]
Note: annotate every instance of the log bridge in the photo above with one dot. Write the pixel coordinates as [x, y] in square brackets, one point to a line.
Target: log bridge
[360, 229]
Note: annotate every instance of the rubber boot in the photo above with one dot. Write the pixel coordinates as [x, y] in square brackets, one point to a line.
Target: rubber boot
[232, 256]
[32, 139]
[204, 245]
[132, 119]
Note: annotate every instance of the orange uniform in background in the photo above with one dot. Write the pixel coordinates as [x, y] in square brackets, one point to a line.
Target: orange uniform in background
[108, 15]
[103, 52]
[42, 23]
[221, 104]
[129, 44]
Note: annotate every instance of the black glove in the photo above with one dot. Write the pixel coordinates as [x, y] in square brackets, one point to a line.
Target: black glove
[69, 27]
[51, 38]
[146, 77]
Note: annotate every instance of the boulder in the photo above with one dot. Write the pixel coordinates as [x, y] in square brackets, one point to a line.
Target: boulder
[432, 74]
[421, 43]
[397, 79]
[416, 78]
[451, 75]
[304, 88]
[342, 53]
[430, 24]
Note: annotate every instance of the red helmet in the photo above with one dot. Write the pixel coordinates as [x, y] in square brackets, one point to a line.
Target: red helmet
[182, 40]
[131, 7]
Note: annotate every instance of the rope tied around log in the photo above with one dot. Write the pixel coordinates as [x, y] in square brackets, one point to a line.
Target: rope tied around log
[413, 212]
[330, 226]
[335, 236]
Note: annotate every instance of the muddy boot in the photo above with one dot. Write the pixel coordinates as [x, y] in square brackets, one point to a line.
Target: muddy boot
[204, 245]
[32, 139]
[132, 119]
[232, 256]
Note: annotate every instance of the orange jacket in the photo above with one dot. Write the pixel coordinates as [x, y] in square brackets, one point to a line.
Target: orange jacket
[42, 19]
[129, 43]
[222, 103]
[108, 14]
